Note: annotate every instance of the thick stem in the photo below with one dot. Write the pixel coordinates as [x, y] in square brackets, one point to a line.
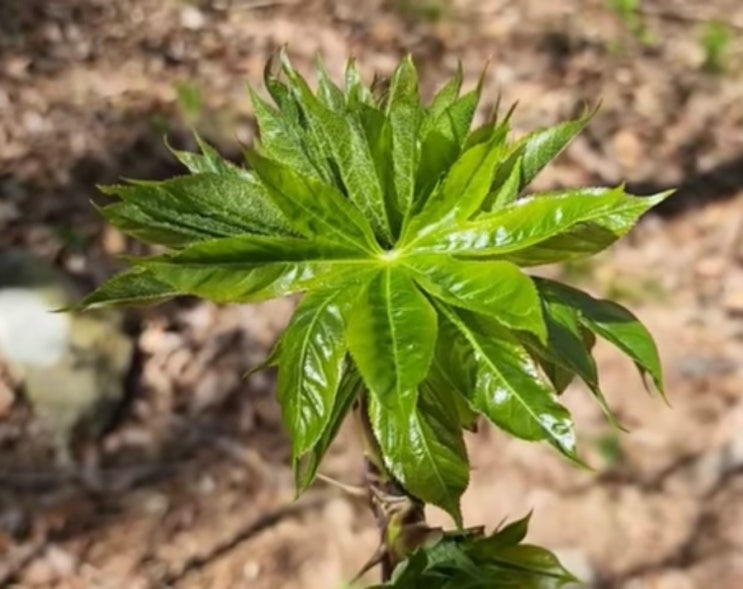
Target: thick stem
[400, 517]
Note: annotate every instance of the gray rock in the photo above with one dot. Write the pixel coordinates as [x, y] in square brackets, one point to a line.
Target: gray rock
[71, 365]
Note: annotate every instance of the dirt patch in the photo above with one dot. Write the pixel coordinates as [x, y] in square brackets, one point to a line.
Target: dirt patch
[189, 487]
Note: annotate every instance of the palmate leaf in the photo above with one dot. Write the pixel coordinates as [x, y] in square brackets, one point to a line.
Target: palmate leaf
[407, 234]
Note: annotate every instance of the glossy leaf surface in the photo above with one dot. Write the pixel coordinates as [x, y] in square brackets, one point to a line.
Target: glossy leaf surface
[508, 390]
[612, 322]
[494, 288]
[391, 336]
[311, 365]
[423, 449]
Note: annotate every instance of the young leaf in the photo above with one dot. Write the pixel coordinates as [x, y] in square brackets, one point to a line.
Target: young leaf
[330, 94]
[282, 135]
[310, 368]
[405, 115]
[447, 95]
[513, 232]
[442, 138]
[210, 205]
[498, 561]
[612, 322]
[423, 449]
[497, 289]
[509, 391]
[356, 92]
[507, 191]
[391, 335]
[208, 161]
[463, 190]
[313, 208]
[136, 285]
[306, 467]
[342, 138]
[541, 147]
[253, 268]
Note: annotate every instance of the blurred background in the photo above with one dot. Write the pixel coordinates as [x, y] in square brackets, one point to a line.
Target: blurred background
[134, 455]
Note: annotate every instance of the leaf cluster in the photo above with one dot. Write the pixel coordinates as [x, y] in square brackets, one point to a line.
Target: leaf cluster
[498, 561]
[408, 234]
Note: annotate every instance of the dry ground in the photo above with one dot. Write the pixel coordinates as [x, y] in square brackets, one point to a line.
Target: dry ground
[193, 489]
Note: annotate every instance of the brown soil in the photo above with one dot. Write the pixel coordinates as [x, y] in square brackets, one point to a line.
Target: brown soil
[189, 487]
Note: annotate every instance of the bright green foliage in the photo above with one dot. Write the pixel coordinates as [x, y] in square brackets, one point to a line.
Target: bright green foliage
[715, 39]
[498, 561]
[409, 233]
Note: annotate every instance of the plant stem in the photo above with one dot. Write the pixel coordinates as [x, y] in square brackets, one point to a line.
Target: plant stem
[400, 517]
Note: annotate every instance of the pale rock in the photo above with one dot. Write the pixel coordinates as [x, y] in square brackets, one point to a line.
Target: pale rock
[192, 18]
[733, 302]
[577, 562]
[71, 365]
[710, 267]
[628, 148]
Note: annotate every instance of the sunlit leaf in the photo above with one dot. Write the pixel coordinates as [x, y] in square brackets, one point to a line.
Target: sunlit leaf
[612, 322]
[391, 336]
[135, 286]
[423, 449]
[252, 268]
[306, 466]
[313, 208]
[494, 288]
[310, 368]
[509, 391]
[519, 231]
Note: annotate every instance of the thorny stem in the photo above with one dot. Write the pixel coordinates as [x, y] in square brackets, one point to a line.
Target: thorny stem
[400, 517]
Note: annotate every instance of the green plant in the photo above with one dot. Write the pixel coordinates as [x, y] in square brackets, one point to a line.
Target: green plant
[190, 101]
[407, 232]
[715, 40]
[630, 14]
[422, 10]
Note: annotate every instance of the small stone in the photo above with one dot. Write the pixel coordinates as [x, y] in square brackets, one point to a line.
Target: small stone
[251, 570]
[113, 241]
[733, 302]
[576, 562]
[710, 267]
[628, 149]
[192, 18]
[60, 561]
